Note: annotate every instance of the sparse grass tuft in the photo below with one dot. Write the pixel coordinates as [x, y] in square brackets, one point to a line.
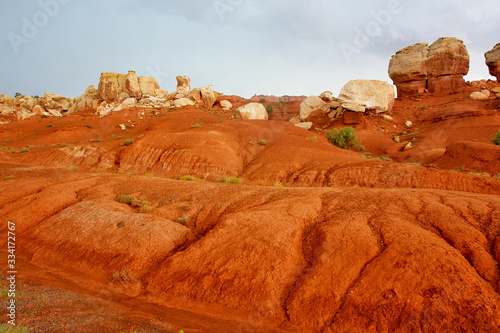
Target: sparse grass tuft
[24, 150]
[262, 142]
[7, 328]
[197, 125]
[230, 180]
[74, 168]
[128, 142]
[315, 139]
[383, 158]
[8, 177]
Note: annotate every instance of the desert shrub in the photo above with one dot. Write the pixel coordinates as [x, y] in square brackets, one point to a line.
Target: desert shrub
[17, 94]
[262, 142]
[197, 125]
[270, 109]
[24, 150]
[345, 138]
[496, 140]
[8, 177]
[73, 168]
[230, 180]
[128, 142]
[188, 178]
[126, 199]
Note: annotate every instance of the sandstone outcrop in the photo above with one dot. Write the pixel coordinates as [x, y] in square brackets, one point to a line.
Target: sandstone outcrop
[306, 125]
[438, 68]
[55, 104]
[183, 86]
[89, 100]
[6, 105]
[252, 111]
[362, 95]
[226, 105]
[485, 94]
[313, 106]
[493, 61]
[114, 86]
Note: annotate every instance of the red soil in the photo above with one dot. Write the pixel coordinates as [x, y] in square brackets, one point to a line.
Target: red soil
[353, 244]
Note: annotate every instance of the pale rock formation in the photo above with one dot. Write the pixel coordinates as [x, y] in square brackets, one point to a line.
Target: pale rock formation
[55, 104]
[183, 86]
[362, 95]
[478, 95]
[438, 68]
[161, 93]
[6, 105]
[149, 85]
[132, 85]
[493, 61]
[226, 105]
[295, 120]
[313, 106]
[126, 104]
[89, 100]
[112, 85]
[208, 96]
[306, 125]
[38, 110]
[327, 96]
[252, 111]
[181, 102]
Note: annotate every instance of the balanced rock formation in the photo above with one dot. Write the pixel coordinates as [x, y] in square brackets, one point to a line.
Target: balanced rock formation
[493, 61]
[362, 95]
[313, 106]
[252, 111]
[438, 68]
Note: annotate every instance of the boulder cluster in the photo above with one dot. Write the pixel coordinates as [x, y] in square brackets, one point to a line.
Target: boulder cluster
[115, 92]
[438, 68]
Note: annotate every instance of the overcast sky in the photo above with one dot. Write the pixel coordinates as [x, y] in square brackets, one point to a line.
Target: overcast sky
[242, 47]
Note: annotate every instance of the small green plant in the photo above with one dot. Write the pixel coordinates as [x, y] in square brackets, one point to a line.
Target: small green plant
[150, 175]
[270, 109]
[188, 178]
[126, 199]
[8, 177]
[24, 150]
[17, 94]
[50, 125]
[496, 140]
[262, 100]
[125, 276]
[95, 140]
[383, 158]
[73, 168]
[230, 180]
[345, 138]
[88, 126]
[262, 142]
[128, 142]
[153, 112]
[44, 116]
[13, 151]
[197, 125]
[315, 139]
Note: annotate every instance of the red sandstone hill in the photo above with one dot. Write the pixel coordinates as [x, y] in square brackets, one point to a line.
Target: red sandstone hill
[316, 239]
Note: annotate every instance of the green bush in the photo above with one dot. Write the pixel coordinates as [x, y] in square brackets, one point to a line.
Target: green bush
[345, 138]
[128, 142]
[230, 180]
[496, 140]
[270, 109]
